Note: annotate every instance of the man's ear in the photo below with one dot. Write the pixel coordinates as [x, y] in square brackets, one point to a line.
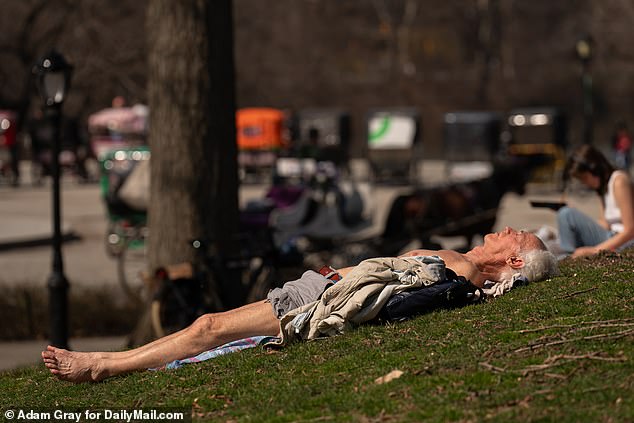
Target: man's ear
[515, 262]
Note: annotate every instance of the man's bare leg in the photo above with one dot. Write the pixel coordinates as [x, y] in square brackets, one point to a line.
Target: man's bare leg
[208, 331]
[151, 345]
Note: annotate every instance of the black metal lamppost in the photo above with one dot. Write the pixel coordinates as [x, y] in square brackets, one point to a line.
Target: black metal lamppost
[584, 49]
[52, 74]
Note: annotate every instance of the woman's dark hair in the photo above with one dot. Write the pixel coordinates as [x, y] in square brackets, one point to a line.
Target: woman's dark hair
[588, 159]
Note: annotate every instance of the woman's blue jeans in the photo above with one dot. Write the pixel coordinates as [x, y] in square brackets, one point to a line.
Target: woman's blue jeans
[579, 230]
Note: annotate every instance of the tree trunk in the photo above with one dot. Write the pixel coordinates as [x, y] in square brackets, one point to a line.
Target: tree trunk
[192, 129]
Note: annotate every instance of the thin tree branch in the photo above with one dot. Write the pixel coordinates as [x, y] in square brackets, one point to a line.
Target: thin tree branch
[491, 367]
[551, 362]
[613, 335]
[572, 294]
[592, 324]
[560, 359]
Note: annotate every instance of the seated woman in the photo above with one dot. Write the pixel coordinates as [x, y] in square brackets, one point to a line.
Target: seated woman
[581, 235]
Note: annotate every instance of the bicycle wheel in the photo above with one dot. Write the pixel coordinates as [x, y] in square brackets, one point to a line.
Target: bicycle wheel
[115, 239]
[175, 306]
[261, 280]
[131, 264]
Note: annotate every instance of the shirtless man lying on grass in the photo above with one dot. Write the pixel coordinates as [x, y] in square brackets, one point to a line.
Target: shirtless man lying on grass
[501, 255]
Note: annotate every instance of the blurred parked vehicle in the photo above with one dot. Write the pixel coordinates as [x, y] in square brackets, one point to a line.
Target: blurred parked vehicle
[261, 134]
[322, 134]
[539, 133]
[394, 147]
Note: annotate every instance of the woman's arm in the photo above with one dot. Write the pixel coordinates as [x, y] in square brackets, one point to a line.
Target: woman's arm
[601, 220]
[625, 202]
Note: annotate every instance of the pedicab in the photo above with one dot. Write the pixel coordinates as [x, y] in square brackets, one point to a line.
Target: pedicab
[394, 147]
[118, 141]
[117, 128]
[124, 185]
[539, 133]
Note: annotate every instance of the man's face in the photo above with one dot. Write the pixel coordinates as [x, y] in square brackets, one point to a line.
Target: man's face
[511, 241]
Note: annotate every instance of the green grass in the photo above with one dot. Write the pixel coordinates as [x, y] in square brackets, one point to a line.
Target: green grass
[559, 350]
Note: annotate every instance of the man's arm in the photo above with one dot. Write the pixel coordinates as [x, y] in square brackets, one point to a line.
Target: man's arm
[345, 270]
[454, 261]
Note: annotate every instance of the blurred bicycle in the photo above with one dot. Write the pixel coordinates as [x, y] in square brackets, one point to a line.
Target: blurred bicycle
[185, 291]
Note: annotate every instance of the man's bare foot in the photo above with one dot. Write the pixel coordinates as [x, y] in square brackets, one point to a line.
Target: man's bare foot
[73, 366]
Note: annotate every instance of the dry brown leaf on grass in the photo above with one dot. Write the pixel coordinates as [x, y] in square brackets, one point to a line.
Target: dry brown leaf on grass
[394, 374]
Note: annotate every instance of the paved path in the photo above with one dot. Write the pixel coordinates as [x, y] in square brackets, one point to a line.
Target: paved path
[25, 216]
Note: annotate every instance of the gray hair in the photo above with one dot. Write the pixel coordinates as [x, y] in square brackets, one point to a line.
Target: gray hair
[538, 265]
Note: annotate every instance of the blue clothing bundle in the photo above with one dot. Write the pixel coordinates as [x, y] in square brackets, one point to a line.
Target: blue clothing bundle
[453, 291]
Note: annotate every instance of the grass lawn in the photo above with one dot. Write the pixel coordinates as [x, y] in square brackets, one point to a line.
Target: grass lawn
[559, 350]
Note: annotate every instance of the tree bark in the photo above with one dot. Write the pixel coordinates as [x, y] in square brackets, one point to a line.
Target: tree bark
[192, 127]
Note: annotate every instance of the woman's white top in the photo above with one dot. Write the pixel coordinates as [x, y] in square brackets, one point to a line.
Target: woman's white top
[612, 213]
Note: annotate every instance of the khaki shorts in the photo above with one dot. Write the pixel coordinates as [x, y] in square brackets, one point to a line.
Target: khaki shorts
[297, 293]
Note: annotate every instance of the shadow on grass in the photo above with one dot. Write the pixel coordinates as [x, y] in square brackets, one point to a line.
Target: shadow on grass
[101, 311]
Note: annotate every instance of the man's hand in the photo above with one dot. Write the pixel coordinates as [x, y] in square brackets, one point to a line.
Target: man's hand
[584, 251]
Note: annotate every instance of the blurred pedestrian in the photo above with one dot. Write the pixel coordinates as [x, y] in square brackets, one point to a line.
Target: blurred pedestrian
[622, 144]
[8, 140]
[41, 132]
[119, 102]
